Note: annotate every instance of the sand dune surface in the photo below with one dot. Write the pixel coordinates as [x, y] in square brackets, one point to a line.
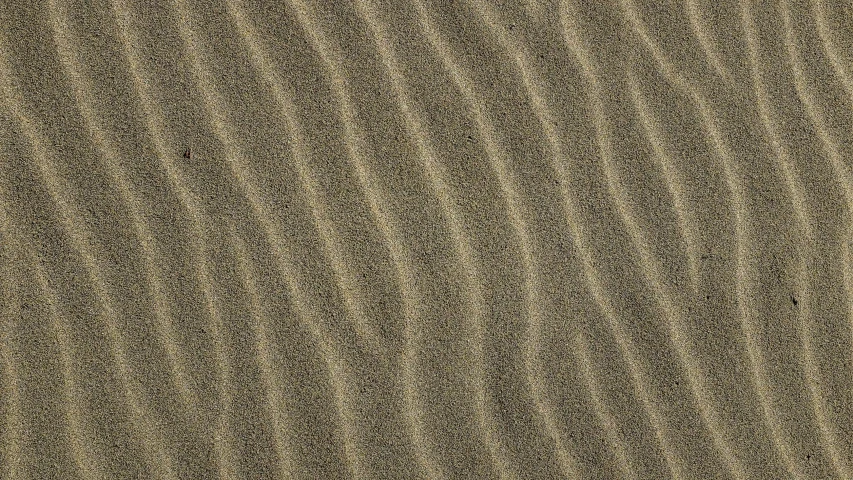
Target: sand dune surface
[369, 239]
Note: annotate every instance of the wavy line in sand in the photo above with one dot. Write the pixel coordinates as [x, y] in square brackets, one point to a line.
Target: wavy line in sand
[358, 152]
[650, 267]
[536, 95]
[789, 175]
[829, 47]
[674, 180]
[744, 276]
[333, 246]
[87, 463]
[807, 97]
[805, 237]
[580, 346]
[75, 229]
[199, 222]
[434, 171]
[687, 222]
[678, 337]
[517, 213]
[831, 146]
[516, 209]
[84, 94]
[331, 240]
[694, 15]
[828, 432]
[276, 408]
[221, 440]
[12, 435]
[214, 105]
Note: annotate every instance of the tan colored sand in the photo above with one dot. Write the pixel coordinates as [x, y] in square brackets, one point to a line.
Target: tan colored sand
[426, 239]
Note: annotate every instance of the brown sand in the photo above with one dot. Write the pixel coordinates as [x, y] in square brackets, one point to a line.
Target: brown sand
[426, 239]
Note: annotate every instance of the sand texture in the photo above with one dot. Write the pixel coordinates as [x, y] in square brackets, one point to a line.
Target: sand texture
[426, 239]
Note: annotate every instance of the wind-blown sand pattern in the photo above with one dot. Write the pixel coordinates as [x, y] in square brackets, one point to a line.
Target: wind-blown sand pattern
[419, 239]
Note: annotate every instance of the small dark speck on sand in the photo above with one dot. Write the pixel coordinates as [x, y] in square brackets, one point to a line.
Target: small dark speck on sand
[188, 153]
[794, 300]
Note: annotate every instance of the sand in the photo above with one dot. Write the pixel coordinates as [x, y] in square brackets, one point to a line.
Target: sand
[426, 239]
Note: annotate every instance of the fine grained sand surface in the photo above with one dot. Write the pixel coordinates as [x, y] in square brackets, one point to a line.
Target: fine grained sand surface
[321, 239]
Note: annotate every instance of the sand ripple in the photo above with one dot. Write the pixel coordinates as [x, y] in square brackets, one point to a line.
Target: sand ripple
[421, 239]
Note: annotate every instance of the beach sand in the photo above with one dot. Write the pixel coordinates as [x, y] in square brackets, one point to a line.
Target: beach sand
[426, 239]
